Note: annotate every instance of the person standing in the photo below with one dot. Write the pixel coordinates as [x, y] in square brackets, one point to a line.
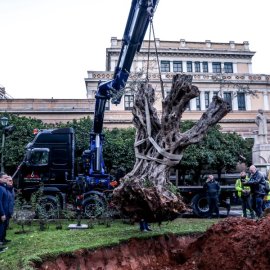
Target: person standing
[243, 193]
[257, 185]
[11, 203]
[266, 199]
[3, 208]
[144, 226]
[212, 189]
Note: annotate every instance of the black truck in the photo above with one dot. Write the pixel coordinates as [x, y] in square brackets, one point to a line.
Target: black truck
[50, 161]
[195, 197]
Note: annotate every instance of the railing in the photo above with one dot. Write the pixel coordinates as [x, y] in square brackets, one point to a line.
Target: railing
[247, 77]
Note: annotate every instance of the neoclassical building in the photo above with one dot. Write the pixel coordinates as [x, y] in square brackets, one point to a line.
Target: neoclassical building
[217, 68]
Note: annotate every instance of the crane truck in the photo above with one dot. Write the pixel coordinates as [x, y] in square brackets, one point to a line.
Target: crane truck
[50, 157]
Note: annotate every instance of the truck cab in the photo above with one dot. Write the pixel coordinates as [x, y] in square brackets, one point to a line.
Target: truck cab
[49, 158]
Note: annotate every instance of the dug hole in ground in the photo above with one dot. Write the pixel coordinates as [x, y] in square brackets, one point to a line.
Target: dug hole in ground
[233, 243]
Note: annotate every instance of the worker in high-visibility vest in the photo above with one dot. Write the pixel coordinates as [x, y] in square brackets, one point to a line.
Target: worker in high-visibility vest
[243, 193]
[266, 198]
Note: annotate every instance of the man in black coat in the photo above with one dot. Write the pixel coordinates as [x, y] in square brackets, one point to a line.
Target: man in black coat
[3, 207]
[256, 183]
[212, 189]
[11, 204]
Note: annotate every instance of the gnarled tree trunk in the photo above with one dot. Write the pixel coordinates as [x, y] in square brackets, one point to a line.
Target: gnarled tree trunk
[146, 192]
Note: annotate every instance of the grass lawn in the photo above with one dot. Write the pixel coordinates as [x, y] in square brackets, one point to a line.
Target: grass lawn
[37, 244]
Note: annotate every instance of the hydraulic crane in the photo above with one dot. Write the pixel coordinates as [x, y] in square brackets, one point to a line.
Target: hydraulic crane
[50, 157]
[140, 14]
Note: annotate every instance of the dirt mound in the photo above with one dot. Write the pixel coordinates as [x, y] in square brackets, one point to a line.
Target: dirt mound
[232, 244]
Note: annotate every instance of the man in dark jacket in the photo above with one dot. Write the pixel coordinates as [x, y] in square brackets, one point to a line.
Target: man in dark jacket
[11, 203]
[212, 189]
[3, 207]
[256, 183]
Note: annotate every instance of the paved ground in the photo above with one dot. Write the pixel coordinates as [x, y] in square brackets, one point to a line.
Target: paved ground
[236, 211]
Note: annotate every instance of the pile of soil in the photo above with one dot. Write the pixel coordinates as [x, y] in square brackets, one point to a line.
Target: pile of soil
[231, 244]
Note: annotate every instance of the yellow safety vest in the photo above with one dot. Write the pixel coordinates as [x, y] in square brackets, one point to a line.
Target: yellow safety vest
[239, 187]
[267, 196]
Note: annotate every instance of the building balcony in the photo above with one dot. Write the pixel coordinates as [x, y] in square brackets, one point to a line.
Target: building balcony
[197, 77]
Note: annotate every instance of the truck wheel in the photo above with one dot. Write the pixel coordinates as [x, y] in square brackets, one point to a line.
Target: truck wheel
[200, 205]
[47, 207]
[93, 207]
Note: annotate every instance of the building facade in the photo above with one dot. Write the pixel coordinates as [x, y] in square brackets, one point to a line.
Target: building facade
[217, 68]
[49, 110]
[223, 69]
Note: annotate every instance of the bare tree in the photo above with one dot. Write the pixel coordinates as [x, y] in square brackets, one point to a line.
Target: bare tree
[159, 145]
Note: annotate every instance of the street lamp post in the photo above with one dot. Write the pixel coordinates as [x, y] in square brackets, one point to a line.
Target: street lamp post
[4, 123]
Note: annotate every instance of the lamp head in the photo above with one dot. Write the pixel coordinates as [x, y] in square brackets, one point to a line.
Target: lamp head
[4, 121]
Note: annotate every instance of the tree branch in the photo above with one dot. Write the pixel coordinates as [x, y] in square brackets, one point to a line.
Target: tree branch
[217, 109]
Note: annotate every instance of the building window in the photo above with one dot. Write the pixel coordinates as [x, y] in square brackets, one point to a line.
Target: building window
[241, 101]
[188, 106]
[228, 98]
[197, 67]
[205, 67]
[228, 67]
[207, 99]
[198, 103]
[216, 67]
[167, 92]
[129, 102]
[189, 66]
[165, 66]
[177, 66]
[107, 105]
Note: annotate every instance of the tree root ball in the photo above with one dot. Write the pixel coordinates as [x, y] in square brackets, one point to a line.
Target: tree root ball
[153, 203]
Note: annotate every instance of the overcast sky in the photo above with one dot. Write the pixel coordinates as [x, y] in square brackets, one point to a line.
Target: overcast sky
[47, 46]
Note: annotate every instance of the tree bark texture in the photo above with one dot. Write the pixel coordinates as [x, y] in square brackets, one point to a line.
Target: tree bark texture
[146, 191]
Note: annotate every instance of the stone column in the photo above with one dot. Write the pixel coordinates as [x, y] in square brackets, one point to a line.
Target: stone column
[193, 104]
[210, 68]
[234, 68]
[250, 68]
[211, 94]
[184, 63]
[202, 100]
[171, 66]
[234, 102]
[265, 101]
[248, 103]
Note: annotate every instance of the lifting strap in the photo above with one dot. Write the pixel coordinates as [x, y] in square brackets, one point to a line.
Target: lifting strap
[156, 54]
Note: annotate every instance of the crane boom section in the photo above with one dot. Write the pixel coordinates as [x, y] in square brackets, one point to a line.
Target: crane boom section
[140, 15]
